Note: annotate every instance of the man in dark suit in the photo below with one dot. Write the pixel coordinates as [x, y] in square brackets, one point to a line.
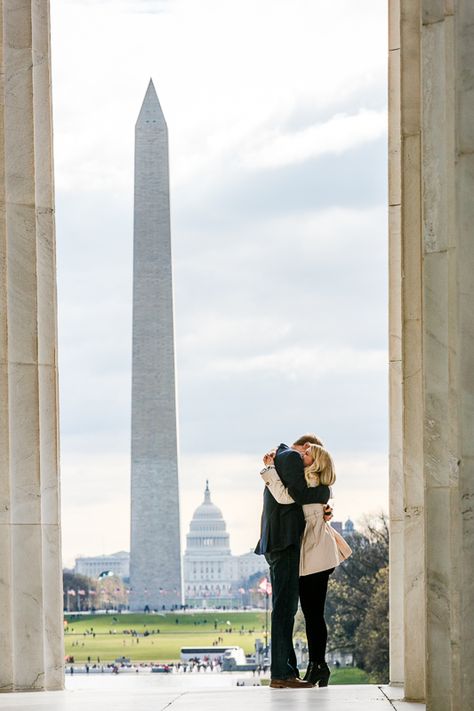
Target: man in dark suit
[281, 530]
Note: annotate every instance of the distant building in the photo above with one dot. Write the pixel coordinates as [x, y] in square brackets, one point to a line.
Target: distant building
[247, 564]
[212, 575]
[349, 528]
[93, 566]
[345, 529]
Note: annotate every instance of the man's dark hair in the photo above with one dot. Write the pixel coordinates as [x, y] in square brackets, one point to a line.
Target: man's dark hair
[307, 438]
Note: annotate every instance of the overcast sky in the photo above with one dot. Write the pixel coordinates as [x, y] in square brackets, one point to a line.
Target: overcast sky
[276, 112]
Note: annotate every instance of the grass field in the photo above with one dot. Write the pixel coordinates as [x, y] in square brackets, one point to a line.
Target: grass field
[112, 640]
[350, 675]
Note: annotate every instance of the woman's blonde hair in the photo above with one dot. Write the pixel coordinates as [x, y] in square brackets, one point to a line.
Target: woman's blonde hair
[322, 470]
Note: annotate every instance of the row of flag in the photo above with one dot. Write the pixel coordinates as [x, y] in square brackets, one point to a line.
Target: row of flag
[73, 593]
[264, 587]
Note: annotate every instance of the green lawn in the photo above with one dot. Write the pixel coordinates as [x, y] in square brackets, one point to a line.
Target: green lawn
[349, 675]
[192, 630]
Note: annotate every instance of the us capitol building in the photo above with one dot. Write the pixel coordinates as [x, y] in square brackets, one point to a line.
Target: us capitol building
[212, 575]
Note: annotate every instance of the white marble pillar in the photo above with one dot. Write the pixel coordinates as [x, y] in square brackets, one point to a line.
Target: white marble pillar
[461, 472]
[31, 636]
[439, 288]
[412, 352]
[434, 132]
[396, 498]
[407, 592]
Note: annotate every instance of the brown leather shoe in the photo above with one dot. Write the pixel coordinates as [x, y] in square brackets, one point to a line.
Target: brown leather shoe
[292, 683]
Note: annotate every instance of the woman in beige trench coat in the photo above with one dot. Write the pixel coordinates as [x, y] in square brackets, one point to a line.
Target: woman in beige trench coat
[322, 549]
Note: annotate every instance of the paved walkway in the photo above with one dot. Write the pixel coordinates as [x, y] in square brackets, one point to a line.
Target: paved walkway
[125, 694]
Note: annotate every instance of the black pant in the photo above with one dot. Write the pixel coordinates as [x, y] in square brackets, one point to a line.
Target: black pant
[284, 572]
[313, 589]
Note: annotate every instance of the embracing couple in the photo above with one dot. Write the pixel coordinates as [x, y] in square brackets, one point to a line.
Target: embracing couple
[302, 550]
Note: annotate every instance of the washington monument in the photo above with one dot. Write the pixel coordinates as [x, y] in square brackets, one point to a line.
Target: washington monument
[155, 554]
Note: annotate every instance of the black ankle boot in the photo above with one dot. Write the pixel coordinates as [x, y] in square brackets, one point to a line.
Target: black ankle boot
[309, 671]
[317, 673]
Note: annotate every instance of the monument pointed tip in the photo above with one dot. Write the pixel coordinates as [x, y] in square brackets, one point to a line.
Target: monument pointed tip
[151, 89]
[151, 110]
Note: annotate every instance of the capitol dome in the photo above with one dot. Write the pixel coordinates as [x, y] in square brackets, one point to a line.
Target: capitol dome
[211, 574]
[207, 509]
[207, 530]
[207, 559]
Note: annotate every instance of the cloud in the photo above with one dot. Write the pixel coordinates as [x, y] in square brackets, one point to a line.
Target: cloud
[221, 74]
[278, 160]
[126, 6]
[290, 362]
[355, 179]
[338, 134]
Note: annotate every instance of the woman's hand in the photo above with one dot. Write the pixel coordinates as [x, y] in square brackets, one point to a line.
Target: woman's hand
[269, 457]
[327, 513]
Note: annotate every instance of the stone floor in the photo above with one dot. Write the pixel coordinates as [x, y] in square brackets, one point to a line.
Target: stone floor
[207, 694]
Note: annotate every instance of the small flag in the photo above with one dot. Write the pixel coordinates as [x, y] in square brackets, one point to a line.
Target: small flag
[265, 586]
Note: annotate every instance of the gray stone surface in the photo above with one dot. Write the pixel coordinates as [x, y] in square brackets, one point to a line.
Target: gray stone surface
[201, 692]
[31, 626]
[432, 349]
[155, 555]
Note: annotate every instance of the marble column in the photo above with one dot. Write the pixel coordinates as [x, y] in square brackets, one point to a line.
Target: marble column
[396, 499]
[432, 172]
[439, 289]
[31, 636]
[460, 478]
[406, 387]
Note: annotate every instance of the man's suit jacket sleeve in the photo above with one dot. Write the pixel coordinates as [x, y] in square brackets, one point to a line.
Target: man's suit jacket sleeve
[292, 471]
